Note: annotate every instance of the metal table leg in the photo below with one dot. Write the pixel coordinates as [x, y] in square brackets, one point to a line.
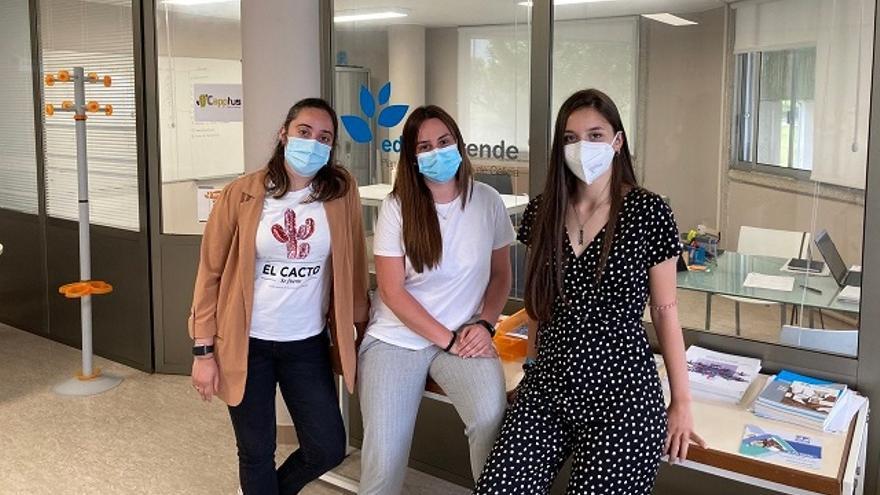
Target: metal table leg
[708, 310]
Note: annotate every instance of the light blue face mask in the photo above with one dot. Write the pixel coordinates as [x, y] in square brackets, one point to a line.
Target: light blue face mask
[306, 156]
[440, 165]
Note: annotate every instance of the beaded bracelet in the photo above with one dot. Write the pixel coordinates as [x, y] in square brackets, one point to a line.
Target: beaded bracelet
[662, 307]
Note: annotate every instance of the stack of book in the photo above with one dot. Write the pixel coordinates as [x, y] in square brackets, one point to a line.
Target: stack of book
[802, 400]
[718, 376]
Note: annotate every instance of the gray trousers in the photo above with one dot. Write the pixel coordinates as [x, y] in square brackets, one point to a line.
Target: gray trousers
[391, 381]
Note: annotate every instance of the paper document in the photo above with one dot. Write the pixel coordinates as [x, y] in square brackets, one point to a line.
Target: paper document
[718, 376]
[849, 407]
[770, 282]
[850, 294]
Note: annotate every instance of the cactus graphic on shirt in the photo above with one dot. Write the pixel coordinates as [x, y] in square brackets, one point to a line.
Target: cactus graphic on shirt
[291, 235]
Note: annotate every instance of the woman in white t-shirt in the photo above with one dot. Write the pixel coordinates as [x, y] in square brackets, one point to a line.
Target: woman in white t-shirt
[443, 270]
[281, 287]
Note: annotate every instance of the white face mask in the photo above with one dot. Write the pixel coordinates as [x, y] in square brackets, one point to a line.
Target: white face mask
[588, 160]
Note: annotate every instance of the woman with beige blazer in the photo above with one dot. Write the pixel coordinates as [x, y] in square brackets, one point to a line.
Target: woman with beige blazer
[281, 299]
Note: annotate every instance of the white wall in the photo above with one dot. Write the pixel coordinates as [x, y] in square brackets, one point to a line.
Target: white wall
[441, 82]
[685, 153]
[185, 35]
[192, 50]
[366, 48]
[190, 149]
[280, 66]
[684, 102]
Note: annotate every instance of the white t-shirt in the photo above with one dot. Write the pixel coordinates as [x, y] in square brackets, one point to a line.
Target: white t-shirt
[291, 275]
[453, 291]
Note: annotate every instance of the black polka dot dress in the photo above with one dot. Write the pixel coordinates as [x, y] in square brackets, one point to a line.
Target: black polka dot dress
[593, 392]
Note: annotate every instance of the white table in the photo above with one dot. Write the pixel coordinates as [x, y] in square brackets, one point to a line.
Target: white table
[374, 194]
[722, 425]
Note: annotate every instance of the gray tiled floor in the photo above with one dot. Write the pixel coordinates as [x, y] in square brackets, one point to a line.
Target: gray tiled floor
[150, 435]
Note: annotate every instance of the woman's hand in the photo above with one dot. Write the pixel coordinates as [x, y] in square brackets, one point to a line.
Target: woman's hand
[680, 432]
[475, 341]
[205, 376]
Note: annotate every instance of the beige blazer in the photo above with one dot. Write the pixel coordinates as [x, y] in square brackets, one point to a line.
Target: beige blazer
[224, 290]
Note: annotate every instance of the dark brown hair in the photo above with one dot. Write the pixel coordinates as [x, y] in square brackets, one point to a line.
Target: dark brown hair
[421, 229]
[331, 182]
[546, 264]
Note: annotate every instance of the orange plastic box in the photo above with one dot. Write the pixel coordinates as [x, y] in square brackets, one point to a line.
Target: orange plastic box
[510, 347]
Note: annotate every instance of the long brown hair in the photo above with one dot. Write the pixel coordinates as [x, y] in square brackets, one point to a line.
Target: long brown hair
[331, 182]
[547, 259]
[421, 229]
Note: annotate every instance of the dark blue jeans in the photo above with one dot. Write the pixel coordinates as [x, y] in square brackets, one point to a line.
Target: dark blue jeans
[302, 370]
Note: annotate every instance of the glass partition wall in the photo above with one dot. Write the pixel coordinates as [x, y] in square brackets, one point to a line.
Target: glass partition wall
[469, 58]
[200, 108]
[754, 131]
[751, 120]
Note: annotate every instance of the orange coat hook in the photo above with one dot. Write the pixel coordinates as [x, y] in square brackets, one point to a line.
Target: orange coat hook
[107, 81]
[50, 109]
[50, 80]
[108, 110]
[63, 76]
[92, 106]
[89, 287]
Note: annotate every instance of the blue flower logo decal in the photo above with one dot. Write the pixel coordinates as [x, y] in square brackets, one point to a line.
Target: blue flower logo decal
[359, 128]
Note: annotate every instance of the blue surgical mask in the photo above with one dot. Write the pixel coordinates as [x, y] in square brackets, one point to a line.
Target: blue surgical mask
[306, 156]
[439, 165]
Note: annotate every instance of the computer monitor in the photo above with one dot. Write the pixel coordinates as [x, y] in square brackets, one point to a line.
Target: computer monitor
[832, 256]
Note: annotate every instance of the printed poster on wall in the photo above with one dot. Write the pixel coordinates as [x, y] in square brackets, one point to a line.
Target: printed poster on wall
[217, 102]
[205, 199]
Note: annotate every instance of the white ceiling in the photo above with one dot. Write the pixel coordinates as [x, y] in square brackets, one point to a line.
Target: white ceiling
[434, 13]
[223, 9]
[220, 9]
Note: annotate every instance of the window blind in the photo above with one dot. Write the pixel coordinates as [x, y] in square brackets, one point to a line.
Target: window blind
[97, 36]
[18, 157]
[842, 33]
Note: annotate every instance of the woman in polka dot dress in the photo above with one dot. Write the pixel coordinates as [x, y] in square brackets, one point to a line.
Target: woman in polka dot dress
[598, 246]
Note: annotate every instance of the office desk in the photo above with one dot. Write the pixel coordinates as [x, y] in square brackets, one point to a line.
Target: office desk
[731, 269]
[374, 194]
[722, 426]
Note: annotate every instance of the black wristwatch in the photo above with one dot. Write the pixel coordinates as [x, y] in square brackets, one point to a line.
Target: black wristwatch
[488, 326]
[203, 350]
[451, 342]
